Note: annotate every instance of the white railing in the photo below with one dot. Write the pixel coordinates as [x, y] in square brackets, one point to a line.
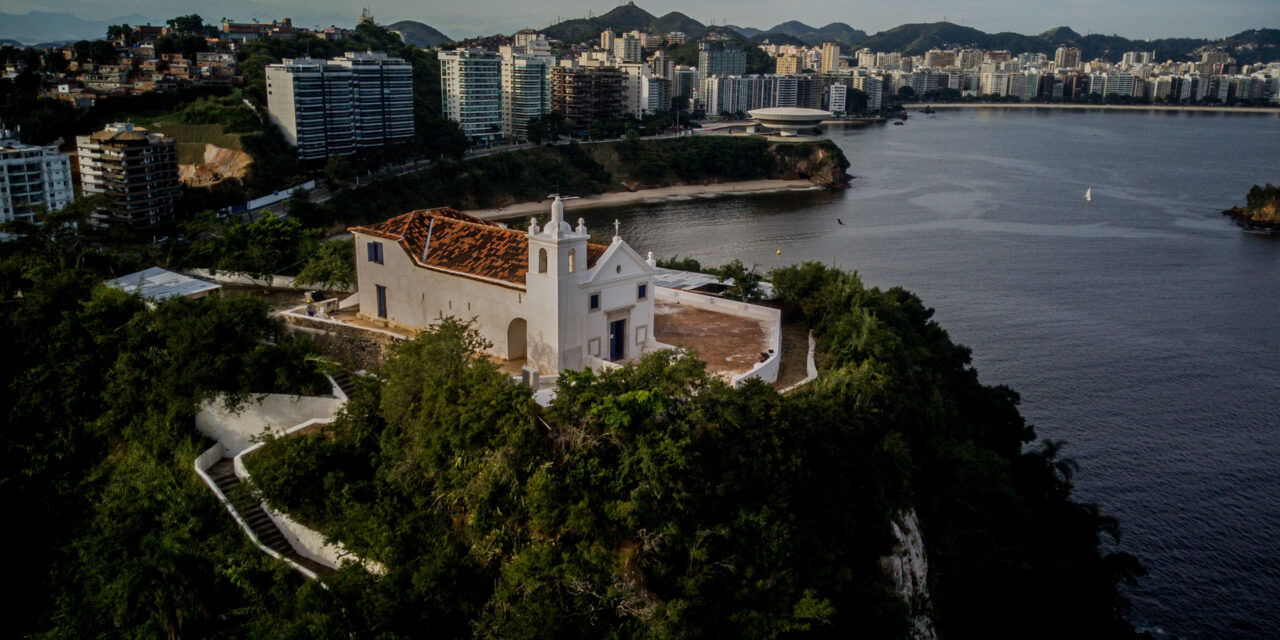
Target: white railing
[300, 312]
[202, 464]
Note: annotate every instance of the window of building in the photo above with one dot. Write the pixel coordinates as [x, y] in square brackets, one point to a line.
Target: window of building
[382, 300]
[593, 303]
[542, 260]
[572, 261]
[375, 252]
[642, 292]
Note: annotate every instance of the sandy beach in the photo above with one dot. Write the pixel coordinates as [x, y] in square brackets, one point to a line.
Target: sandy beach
[1268, 111]
[540, 207]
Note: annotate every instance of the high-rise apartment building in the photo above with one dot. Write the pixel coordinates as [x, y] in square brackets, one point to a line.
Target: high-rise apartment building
[587, 95]
[526, 91]
[627, 48]
[939, 58]
[830, 57]
[969, 59]
[135, 169]
[471, 93]
[312, 104]
[607, 38]
[655, 94]
[662, 65]
[1067, 58]
[685, 83]
[837, 98]
[788, 64]
[382, 98]
[31, 176]
[334, 107]
[873, 87]
[719, 58]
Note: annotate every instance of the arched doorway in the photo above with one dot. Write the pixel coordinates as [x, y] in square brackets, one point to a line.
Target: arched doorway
[517, 334]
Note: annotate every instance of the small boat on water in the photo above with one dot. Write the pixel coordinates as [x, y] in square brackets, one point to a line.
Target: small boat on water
[1088, 194]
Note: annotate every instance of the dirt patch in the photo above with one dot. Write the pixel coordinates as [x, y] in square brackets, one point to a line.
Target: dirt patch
[219, 164]
[729, 344]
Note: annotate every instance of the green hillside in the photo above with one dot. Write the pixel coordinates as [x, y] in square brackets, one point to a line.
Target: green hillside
[419, 34]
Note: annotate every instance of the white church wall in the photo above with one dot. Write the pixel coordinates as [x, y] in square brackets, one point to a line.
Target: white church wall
[616, 278]
[417, 297]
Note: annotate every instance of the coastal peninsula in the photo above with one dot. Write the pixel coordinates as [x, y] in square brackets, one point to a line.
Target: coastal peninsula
[510, 183]
[1261, 211]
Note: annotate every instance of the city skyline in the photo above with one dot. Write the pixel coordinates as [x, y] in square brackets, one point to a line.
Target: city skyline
[1144, 20]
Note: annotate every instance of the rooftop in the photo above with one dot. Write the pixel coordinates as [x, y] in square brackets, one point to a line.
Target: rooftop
[462, 244]
[161, 284]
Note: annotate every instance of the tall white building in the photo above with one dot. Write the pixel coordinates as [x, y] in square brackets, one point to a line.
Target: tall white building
[627, 48]
[830, 57]
[526, 91]
[471, 92]
[837, 98]
[312, 104]
[31, 176]
[332, 107]
[382, 97]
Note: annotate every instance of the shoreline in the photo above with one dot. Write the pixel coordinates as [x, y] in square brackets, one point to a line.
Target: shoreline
[1270, 111]
[619, 198]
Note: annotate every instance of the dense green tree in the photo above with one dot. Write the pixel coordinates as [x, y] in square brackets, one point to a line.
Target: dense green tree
[121, 32]
[264, 248]
[339, 171]
[332, 266]
[189, 24]
[743, 282]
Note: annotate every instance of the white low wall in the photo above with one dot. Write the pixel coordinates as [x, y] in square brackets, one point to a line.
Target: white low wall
[767, 370]
[273, 411]
[810, 367]
[276, 281]
[308, 542]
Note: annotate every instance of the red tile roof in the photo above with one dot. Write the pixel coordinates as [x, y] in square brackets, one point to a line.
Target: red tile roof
[462, 244]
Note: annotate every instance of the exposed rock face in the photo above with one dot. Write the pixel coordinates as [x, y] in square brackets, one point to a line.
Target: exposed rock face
[824, 165]
[907, 567]
[219, 164]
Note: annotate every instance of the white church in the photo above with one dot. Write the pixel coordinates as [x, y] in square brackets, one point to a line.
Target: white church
[546, 295]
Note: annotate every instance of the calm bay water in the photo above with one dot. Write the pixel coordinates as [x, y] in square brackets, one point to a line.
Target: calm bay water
[1143, 328]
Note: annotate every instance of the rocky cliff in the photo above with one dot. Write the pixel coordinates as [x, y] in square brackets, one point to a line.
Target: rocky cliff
[907, 567]
[822, 163]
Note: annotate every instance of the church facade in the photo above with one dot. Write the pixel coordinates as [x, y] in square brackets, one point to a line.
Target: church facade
[547, 295]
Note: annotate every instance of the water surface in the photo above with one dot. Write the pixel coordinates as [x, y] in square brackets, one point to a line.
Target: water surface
[1143, 327]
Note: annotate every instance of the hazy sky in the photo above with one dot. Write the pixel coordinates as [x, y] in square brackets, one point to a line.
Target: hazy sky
[1129, 18]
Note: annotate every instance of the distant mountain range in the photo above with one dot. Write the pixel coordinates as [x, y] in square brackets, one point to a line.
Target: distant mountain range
[909, 39]
[629, 17]
[914, 39]
[1256, 45]
[418, 34]
[799, 33]
[43, 26]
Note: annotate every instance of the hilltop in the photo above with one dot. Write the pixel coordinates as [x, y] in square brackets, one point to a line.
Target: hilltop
[630, 17]
[419, 34]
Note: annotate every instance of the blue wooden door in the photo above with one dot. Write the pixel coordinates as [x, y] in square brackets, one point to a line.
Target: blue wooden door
[617, 340]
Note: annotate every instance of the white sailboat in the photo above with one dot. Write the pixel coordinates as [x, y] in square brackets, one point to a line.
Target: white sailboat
[1088, 194]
